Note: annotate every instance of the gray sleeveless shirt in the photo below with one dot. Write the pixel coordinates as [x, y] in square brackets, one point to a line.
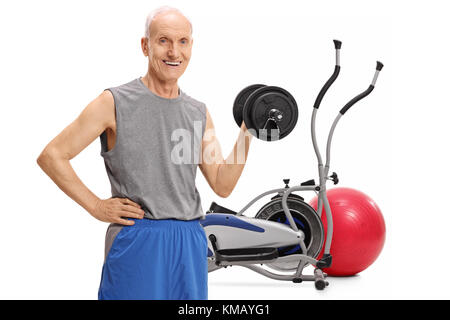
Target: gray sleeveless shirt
[158, 143]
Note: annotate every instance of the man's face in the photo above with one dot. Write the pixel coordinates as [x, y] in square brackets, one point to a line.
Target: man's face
[169, 47]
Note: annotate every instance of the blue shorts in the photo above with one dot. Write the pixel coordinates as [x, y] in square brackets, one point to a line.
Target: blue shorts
[155, 259]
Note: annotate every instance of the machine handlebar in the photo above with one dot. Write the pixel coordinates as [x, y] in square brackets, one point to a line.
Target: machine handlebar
[365, 93]
[327, 85]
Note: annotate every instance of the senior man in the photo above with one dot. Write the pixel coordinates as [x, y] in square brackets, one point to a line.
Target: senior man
[151, 135]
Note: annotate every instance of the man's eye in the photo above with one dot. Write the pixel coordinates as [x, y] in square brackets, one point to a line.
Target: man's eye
[162, 40]
[183, 41]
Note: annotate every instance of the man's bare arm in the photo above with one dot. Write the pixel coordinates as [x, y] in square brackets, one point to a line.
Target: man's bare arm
[56, 156]
[222, 175]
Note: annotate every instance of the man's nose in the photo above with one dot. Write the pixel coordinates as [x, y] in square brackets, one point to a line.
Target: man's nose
[173, 52]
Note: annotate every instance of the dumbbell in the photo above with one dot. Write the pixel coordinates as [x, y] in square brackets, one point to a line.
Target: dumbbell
[270, 113]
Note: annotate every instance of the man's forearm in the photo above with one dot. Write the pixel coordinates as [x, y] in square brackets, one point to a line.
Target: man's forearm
[230, 170]
[62, 173]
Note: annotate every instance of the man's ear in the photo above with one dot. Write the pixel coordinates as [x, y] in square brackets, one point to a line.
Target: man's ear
[144, 46]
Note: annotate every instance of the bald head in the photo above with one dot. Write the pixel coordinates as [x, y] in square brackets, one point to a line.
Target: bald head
[167, 16]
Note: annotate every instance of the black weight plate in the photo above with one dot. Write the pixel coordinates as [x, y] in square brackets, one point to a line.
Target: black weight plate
[258, 105]
[260, 113]
[239, 102]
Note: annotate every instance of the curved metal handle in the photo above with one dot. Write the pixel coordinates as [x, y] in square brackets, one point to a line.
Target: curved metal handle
[337, 68]
[366, 92]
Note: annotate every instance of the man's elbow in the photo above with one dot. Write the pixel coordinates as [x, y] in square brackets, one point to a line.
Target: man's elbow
[44, 158]
[223, 193]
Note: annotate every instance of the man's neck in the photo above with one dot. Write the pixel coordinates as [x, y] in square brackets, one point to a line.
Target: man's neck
[165, 89]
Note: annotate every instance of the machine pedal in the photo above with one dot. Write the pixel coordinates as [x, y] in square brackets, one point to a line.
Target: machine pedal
[215, 208]
[246, 254]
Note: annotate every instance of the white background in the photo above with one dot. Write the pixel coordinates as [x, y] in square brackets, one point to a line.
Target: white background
[57, 56]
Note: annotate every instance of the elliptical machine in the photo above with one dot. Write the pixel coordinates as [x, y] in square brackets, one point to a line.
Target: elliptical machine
[287, 233]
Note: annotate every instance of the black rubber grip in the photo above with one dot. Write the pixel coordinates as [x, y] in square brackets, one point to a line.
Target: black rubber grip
[379, 66]
[337, 44]
[327, 86]
[356, 99]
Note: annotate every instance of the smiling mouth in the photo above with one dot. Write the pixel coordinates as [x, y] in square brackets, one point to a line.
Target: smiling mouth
[172, 63]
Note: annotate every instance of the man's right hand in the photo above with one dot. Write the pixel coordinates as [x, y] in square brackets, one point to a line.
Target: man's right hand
[114, 210]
